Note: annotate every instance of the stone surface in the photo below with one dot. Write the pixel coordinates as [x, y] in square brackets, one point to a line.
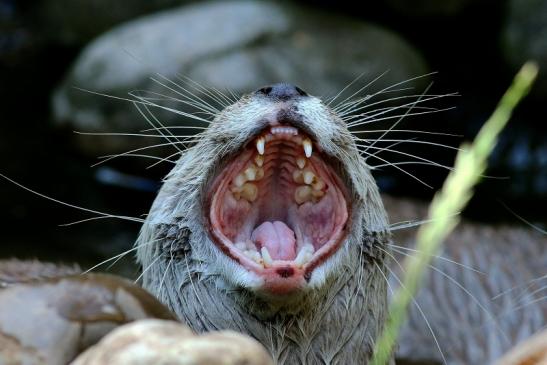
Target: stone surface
[150, 342]
[75, 22]
[533, 351]
[251, 44]
[16, 271]
[524, 37]
[49, 322]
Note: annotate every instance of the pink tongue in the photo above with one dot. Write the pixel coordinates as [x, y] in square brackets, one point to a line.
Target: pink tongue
[277, 238]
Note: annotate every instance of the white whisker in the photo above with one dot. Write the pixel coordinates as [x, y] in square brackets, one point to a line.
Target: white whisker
[106, 215]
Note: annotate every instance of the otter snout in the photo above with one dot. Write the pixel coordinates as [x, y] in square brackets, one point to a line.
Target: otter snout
[281, 91]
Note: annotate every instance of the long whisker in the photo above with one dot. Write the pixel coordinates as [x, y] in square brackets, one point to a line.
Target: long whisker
[111, 157]
[331, 100]
[175, 127]
[349, 113]
[369, 119]
[393, 86]
[379, 166]
[106, 215]
[164, 160]
[118, 256]
[473, 298]
[413, 131]
[147, 268]
[398, 121]
[361, 89]
[162, 97]
[402, 170]
[156, 121]
[220, 97]
[401, 248]
[201, 104]
[179, 112]
[403, 153]
[415, 304]
[410, 141]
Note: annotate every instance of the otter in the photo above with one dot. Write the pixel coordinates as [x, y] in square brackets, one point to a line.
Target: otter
[272, 225]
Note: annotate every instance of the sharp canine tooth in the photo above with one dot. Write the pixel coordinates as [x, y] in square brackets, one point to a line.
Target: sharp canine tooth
[254, 255]
[250, 173]
[307, 147]
[302, 194]
[300, 162]
[241, 246]
[239, 180]
[304, 255]
[259, 160]
[249, 192]
[266, 256]
[308, 177]
[260, 145]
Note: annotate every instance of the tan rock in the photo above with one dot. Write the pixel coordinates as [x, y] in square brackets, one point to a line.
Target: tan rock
[160, 342]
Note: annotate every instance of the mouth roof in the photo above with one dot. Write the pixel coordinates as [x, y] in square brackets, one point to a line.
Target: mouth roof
[278, 208]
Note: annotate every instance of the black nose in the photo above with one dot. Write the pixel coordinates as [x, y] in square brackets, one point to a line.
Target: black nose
[282, 91]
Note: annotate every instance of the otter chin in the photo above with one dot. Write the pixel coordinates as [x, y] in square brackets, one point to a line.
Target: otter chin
[271, 224]
[278, 209]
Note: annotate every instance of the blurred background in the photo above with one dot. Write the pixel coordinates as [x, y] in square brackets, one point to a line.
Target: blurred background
[51, 49]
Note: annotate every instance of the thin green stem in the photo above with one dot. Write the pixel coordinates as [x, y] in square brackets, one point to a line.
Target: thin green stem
[470, 164]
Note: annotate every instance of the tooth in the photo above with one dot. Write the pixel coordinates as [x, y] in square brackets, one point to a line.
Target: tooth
[304, 255]
[249, 192]
[317, 194]
[260, 144]
[259, 173]
[239, 180]
[302, 194]
[250, 173]
[259, 160]
[318, 184]
[266, 256]
[241, 246]
[301, 162]
[308, 177]
[297, 177]
[254, 255]
[307, 147]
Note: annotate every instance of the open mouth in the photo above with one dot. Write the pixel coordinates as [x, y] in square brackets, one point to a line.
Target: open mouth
[278, 208]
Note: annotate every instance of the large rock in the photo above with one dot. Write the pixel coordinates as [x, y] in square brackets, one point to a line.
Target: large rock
[236, 45]
[151, 342]
[524, 37]
[75, 22]
[49, 322]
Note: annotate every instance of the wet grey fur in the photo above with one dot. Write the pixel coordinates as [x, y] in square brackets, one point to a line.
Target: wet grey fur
[336, 320]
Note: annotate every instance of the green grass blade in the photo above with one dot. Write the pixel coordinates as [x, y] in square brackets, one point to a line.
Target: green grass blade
[456, 191]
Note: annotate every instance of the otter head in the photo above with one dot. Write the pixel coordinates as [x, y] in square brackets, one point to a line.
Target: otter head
[273, 199]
